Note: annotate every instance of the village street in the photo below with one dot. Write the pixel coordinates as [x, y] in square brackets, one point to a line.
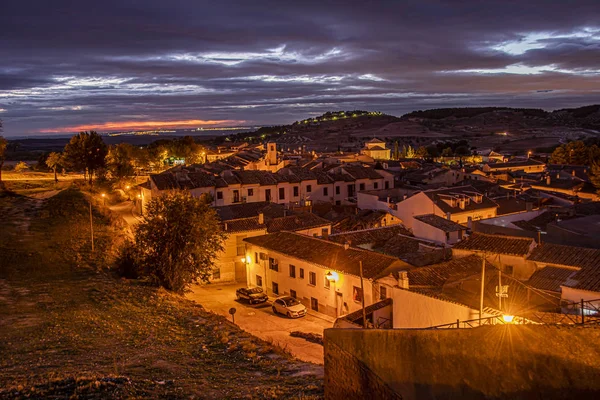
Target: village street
[260, 321]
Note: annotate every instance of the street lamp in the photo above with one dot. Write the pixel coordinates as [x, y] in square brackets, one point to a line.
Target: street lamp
[508, 318]
[128, 194]
[104, 199]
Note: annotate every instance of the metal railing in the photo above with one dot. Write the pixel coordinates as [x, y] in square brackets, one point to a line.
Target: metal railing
[495, 320]
[584, 312]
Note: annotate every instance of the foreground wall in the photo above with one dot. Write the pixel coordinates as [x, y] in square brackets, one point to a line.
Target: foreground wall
[500, 362]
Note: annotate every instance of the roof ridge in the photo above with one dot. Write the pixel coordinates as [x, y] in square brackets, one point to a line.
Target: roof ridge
[501, 236]
[335, 243]
[370, 229]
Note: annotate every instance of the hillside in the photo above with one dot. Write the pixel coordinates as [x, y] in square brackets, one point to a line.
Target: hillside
[71, 328]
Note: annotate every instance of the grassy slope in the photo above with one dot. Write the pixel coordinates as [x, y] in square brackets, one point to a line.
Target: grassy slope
[68, 327]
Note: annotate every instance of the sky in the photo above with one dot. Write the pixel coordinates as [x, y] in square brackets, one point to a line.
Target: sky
[67, 66]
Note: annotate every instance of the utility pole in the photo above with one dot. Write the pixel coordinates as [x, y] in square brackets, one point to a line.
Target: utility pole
[482, 289]
[362, 289]
[500, 292]
[91, 226]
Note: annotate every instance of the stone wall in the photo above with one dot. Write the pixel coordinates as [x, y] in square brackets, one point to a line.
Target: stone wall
[495, 362]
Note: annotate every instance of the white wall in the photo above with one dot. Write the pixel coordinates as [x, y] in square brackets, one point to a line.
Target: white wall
[414, 310]
[304, 291]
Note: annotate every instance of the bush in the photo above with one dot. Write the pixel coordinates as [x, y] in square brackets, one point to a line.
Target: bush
[127, 262]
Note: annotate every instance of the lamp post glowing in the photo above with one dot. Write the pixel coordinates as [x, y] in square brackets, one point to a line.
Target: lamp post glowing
[333, 277]
[104, 199]
[508, 318]
[128, 195]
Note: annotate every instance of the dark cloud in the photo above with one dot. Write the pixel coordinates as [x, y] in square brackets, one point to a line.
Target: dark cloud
[70, 63]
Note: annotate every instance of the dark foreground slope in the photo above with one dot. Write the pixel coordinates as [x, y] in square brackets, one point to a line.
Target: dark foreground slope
[70, 328]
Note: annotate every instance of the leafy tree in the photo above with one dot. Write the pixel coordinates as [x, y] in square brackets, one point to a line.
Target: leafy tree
[21, 166]
[86, 151]
[120, 160]
[578, 153]
[53, 161]
[3, 145]
[157, 156]
[396, 154]
[447, 152]
[593, 154]
[178, 240]
[595, 176]
[421, 152]
[559, 155]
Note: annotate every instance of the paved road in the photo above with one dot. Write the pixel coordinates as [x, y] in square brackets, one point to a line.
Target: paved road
[260, 321]
[126, 210]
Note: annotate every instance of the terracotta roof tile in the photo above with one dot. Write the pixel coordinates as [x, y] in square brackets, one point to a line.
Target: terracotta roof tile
[296, 222]
[443, 224]
[550, 278]
[496, 244]
[437, 275]
[326, 253]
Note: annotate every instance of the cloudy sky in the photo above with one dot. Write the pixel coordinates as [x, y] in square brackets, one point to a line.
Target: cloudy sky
[107, 65]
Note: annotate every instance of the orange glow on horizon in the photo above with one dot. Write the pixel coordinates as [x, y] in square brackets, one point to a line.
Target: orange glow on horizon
[141, 125]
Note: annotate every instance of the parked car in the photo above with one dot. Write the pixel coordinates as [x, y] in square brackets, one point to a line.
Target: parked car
[289, 306]
[253, 295]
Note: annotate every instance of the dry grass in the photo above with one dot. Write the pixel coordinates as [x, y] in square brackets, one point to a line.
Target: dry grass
[70, 328]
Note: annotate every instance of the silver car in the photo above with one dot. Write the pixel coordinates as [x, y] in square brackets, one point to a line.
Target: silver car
[289, 306]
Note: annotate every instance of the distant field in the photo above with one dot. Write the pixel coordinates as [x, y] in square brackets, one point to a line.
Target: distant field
[70, 329]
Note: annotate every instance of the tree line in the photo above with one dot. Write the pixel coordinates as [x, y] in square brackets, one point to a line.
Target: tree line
[87, 152]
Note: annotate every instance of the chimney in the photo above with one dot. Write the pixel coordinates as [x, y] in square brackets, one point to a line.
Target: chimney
[225, 225]
[261, 218]
[548, 180]
[403, 279]
[573, 173]
[448, 215]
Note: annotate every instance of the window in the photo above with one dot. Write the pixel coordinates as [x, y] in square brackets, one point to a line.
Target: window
[357, 294]
[361, 186]
[292, 271]
[273, 264]
[293, 293]
[275, 288]
[236, 196]
[337, 190]
[219, 195]
[312, 278]
[256, 257]
[325, 191]
[308, 188]
[387, 185]
[376, 185]
[250, 192]
[509, 270]
[314, 304]
[259, 280]
[272, 148]
[296, 191]
[327, 283]
[216, 273]
[324, 231]
[350, 190]
[301, 273]
[382, 292]
[281, 193]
